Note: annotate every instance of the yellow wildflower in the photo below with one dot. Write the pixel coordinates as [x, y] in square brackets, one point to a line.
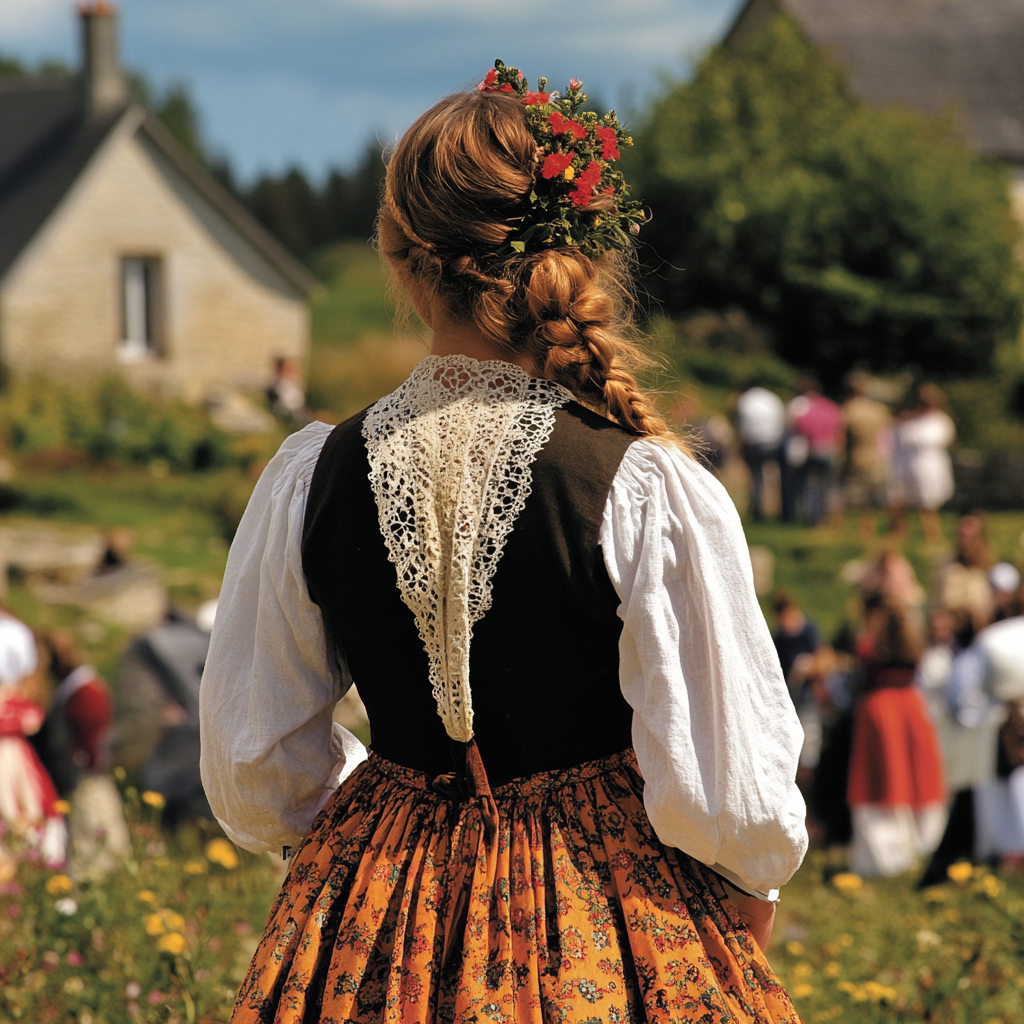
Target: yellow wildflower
[803, 970]
[879, 993]
[568, 174]
[935, 894]
[173, 943]
[847, 882]
[74, 986]
[175, 922]
[155, 924]
[803, 990]
[62, 806]
[845, 940]
[221, 852]
[832, 969]
[960, 872]
[194, 867]
[145, 896]
[153, 798]
[795, 948]
[990, 886]
[846, 986]
[57, 885]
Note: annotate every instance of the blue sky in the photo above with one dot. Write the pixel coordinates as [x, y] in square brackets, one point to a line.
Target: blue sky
[310, 81]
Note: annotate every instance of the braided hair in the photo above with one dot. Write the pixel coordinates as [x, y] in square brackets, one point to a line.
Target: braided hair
[456, 186]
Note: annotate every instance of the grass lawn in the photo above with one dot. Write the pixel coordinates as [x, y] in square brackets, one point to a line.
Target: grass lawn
[878, 952]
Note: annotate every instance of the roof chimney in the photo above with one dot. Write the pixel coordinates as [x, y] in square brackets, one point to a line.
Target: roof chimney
[103, 86]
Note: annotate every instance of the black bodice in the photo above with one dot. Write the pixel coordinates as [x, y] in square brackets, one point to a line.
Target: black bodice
[544, 658]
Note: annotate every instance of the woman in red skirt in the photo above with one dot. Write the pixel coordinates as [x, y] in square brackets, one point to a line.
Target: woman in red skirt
[897, 789]
[579, 802]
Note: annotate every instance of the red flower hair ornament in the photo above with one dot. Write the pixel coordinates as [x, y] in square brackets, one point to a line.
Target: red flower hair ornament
[578, 198]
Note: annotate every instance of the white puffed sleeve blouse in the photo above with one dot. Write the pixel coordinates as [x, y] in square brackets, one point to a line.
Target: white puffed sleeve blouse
[716, 735]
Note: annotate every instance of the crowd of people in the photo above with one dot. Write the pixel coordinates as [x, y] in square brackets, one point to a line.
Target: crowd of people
[822, 458]
[914, 718]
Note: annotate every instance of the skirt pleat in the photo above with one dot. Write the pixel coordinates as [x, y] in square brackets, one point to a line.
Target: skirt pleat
[408, 906]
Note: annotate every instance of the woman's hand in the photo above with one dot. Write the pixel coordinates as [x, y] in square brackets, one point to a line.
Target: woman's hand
[757, 915]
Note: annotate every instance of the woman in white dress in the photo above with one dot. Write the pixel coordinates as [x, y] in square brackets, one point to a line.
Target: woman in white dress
[597, 827]
[922, 467]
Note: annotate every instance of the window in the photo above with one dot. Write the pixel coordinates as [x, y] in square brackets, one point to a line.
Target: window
[140, 308]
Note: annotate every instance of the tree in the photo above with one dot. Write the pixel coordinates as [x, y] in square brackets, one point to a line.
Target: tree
[350, 200]
[289, 207]
[305, 217]
[858, 235]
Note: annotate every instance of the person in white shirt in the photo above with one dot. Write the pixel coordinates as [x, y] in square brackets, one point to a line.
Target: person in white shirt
[760, 422]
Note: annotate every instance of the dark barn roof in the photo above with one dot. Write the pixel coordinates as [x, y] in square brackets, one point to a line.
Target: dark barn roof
[934, 55]
[46, 142]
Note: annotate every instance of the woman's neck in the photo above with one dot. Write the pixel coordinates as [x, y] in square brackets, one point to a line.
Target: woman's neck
[454, 339]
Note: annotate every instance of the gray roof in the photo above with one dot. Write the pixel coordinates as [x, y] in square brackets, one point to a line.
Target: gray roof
[46, 142]
[935, 55]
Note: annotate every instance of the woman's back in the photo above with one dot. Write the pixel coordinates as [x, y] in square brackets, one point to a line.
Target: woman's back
[544, 663]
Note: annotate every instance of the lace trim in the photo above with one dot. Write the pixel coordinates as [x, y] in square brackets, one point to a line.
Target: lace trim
[451, 457]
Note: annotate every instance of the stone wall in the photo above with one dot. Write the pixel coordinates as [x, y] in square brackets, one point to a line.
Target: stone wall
[226, 311]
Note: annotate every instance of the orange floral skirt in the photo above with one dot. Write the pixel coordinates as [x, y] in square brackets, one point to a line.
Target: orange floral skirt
[552, 902]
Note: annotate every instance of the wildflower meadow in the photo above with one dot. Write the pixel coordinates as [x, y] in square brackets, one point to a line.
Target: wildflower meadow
[852, 950]
[166, 938]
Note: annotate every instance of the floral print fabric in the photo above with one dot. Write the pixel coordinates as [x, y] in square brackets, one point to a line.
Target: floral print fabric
[405, 904]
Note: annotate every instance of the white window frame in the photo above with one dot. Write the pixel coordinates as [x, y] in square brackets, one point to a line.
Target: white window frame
[140, 309]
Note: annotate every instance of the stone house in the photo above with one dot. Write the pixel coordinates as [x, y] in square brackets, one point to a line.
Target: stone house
[120, 254]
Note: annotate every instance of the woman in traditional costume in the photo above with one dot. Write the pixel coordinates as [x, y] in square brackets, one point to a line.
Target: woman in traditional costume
[29, 804]
[897, 790]
[579, 800]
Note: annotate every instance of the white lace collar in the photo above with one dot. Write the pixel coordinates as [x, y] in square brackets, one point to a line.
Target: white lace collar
[451, 456]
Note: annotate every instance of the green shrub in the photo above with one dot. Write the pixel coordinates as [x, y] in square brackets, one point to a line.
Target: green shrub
[109, 421]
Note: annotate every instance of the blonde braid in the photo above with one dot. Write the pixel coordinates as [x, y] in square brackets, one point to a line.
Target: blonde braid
[578, 342]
